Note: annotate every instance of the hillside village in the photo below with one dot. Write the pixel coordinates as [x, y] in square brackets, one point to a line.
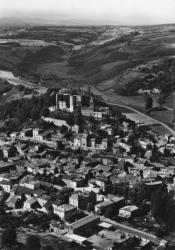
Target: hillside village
[93, 179]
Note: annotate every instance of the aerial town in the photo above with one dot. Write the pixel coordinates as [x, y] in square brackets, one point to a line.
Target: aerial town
[87, 125]
[92, 179]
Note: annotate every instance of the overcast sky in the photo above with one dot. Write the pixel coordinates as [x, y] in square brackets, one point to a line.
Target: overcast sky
[96, 11]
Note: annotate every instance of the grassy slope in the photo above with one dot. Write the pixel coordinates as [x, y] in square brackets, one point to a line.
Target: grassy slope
[12, 56]
[117, 64]
[109, 67]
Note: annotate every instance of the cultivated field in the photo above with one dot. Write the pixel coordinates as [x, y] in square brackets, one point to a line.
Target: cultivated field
[119, 61]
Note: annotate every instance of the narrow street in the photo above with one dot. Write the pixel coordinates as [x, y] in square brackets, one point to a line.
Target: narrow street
[133, 231]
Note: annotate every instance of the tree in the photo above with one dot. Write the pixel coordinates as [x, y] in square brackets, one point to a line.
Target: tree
[70, 120]
[126, 168]
[33, 243]
[116, 245]
[74, 245]
[2, 209]
[24, 113]
[9, 237]
[148, 102]
[45, 112]
[108, 212]
[48, 248]
[143, 208]
[132, 195]
[23, 197]
[173, 120]
[35, 113]
[170, 213]
[161, 100]
[32, 218]
[159, 200]
[90, 207]
[56, 170]
[64, 129]
[78, 118]
[155, 153]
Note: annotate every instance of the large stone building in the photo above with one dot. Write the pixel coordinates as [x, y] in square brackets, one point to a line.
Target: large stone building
[65, 211]
[79, 227]
[68, 100]
[81, 200]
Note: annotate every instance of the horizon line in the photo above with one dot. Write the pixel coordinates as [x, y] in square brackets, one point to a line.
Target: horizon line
[85, 22]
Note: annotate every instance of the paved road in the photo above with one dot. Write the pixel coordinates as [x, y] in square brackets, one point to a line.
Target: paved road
[170, 130]
[16, 81]
[155, 121]
[134, 231]
[43, 90]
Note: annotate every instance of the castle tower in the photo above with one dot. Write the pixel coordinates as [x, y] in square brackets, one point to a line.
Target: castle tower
[57, 101]
[93, 142]
[91, 103]
[71, 103]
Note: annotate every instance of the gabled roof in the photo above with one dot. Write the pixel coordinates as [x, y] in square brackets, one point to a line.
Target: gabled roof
[48, 205]
[23, 190]
[13, 199]
[84, 221]
[129, 208]
[4, 182]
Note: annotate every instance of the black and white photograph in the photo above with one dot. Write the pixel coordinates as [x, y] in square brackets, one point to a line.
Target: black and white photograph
[87, 124]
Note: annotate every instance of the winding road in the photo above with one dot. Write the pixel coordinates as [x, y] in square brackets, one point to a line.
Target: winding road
[150, 119]
[42, 90]
[171, 131]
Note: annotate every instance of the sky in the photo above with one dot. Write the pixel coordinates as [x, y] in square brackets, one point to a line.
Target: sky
[117, 12]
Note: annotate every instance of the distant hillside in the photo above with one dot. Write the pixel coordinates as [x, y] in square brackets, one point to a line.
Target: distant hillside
[56, 21]
[142, 58]
[132, 56]
[47, 54]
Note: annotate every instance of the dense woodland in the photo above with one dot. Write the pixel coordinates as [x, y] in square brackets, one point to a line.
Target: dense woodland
[16, 113]
[161, 76]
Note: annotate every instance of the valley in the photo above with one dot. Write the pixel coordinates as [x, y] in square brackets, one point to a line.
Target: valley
[122, 62]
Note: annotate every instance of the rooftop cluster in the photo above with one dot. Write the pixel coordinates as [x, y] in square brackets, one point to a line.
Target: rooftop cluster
[82, 177]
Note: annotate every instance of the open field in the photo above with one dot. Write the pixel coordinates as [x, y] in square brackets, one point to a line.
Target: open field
[25, 42]
[136, 114]
[119, 61]
[110, 57]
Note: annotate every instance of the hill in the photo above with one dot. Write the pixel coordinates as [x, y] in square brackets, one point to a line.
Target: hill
[121, 62]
